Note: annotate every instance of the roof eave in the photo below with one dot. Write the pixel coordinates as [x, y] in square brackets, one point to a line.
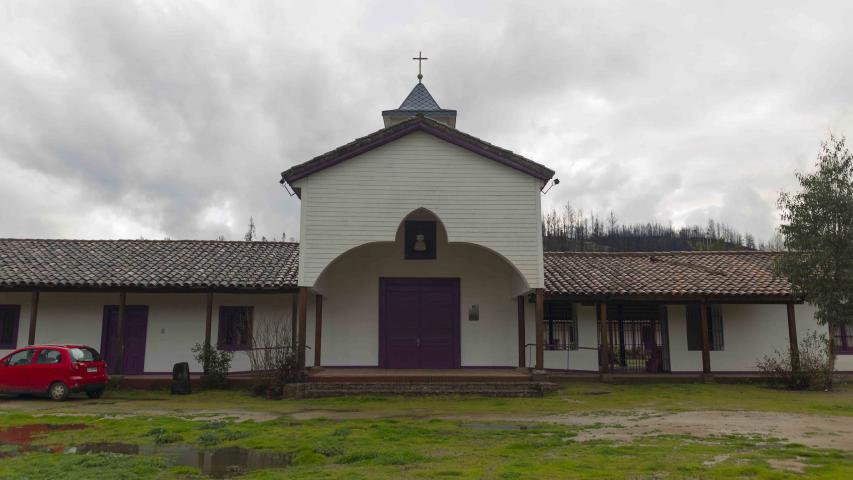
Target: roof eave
[83, 288]
[298, 172]
[672, 298]
[409, 113]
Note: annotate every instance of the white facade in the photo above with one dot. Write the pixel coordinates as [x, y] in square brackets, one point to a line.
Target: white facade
[350, 318]
[363, 200]
[175, 321]
[750, 331]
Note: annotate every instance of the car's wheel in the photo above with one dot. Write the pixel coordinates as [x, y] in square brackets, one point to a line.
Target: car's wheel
[95, 393]
[58, 391]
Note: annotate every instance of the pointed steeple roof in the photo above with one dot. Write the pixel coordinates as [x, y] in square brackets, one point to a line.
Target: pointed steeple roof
[419, 99]
[419, 102]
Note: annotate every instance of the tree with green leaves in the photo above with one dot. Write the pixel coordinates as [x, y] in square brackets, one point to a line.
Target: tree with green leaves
[817, 230]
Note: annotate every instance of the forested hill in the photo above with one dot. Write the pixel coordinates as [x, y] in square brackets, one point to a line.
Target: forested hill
[569, 230]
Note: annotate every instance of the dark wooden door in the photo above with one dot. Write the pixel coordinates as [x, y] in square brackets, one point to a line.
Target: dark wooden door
[419, 323]
[135, 333]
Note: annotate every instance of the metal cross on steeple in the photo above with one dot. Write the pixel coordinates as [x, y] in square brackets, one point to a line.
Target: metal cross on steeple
[420, 58]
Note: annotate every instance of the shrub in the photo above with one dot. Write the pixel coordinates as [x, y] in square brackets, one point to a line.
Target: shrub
[161, 436]
[815, 371]
[216, 364]
[167, 437]
[209, 439]
[272, 357]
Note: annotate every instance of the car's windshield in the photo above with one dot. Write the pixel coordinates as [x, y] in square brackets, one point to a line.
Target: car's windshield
[84, 355]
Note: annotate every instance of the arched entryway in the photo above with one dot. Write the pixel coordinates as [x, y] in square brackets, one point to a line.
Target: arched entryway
[456, 307]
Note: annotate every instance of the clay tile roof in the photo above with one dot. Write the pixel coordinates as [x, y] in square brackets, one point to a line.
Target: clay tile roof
[147, 264]
[729, 274]
[256, 266]
[416, 123]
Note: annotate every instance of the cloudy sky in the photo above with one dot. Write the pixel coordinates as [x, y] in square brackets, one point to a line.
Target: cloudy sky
[175, 118]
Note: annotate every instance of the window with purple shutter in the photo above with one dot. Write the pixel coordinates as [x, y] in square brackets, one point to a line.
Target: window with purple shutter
[9, 317]
[844, 340]
[715, 327]
[235, 328]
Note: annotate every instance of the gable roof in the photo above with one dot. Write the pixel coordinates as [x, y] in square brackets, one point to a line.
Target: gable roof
[147, 264]
[418, 123]
[746, 274]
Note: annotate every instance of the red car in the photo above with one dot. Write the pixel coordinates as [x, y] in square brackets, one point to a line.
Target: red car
[57, 370]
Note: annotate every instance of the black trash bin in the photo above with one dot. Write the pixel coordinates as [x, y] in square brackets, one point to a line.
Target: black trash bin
[181, 379]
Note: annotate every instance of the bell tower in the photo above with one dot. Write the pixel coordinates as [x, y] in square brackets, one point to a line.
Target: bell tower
[419, 102]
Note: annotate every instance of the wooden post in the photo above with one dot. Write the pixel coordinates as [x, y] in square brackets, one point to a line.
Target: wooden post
[604, 335]
[706, 344]
[208, 327]
[294, 331]
[301, 313]
[540, 329]
[792, 338]
[318, 328]
[521, 343]
[34, 309]
[208, 319]
[122, 303]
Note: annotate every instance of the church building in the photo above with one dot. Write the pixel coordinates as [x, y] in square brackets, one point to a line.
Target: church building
[420, 250]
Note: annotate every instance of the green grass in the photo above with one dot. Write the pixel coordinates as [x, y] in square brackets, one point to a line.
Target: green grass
[574, 397]
[420, 438]
[397, 448]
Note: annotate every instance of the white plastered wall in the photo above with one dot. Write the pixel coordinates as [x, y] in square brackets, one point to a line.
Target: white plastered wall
[175, 321]
[750, 331]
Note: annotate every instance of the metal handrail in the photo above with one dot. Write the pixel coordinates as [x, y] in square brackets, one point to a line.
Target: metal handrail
[285, 347]
[530, 351]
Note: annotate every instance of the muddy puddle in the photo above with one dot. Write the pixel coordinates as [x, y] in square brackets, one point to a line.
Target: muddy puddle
[217, 463]
[15, 440]
[214, 462]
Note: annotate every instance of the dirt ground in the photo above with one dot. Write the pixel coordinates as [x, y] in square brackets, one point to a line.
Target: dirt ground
[810, 430]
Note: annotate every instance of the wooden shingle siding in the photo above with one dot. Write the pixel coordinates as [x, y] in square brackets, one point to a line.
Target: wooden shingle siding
[364, 200]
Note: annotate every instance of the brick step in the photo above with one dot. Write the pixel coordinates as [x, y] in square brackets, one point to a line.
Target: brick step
[490, 389]
[338, 379]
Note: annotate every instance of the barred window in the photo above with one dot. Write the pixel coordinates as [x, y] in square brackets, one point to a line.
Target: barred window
[715, 327]
[561, 326]
[844, 339]
[235, 328]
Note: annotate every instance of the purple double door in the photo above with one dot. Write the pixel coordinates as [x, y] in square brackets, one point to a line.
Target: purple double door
[135, 333]
[419, 323]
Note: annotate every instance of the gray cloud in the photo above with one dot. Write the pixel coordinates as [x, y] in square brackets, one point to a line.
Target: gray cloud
[122, 119]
